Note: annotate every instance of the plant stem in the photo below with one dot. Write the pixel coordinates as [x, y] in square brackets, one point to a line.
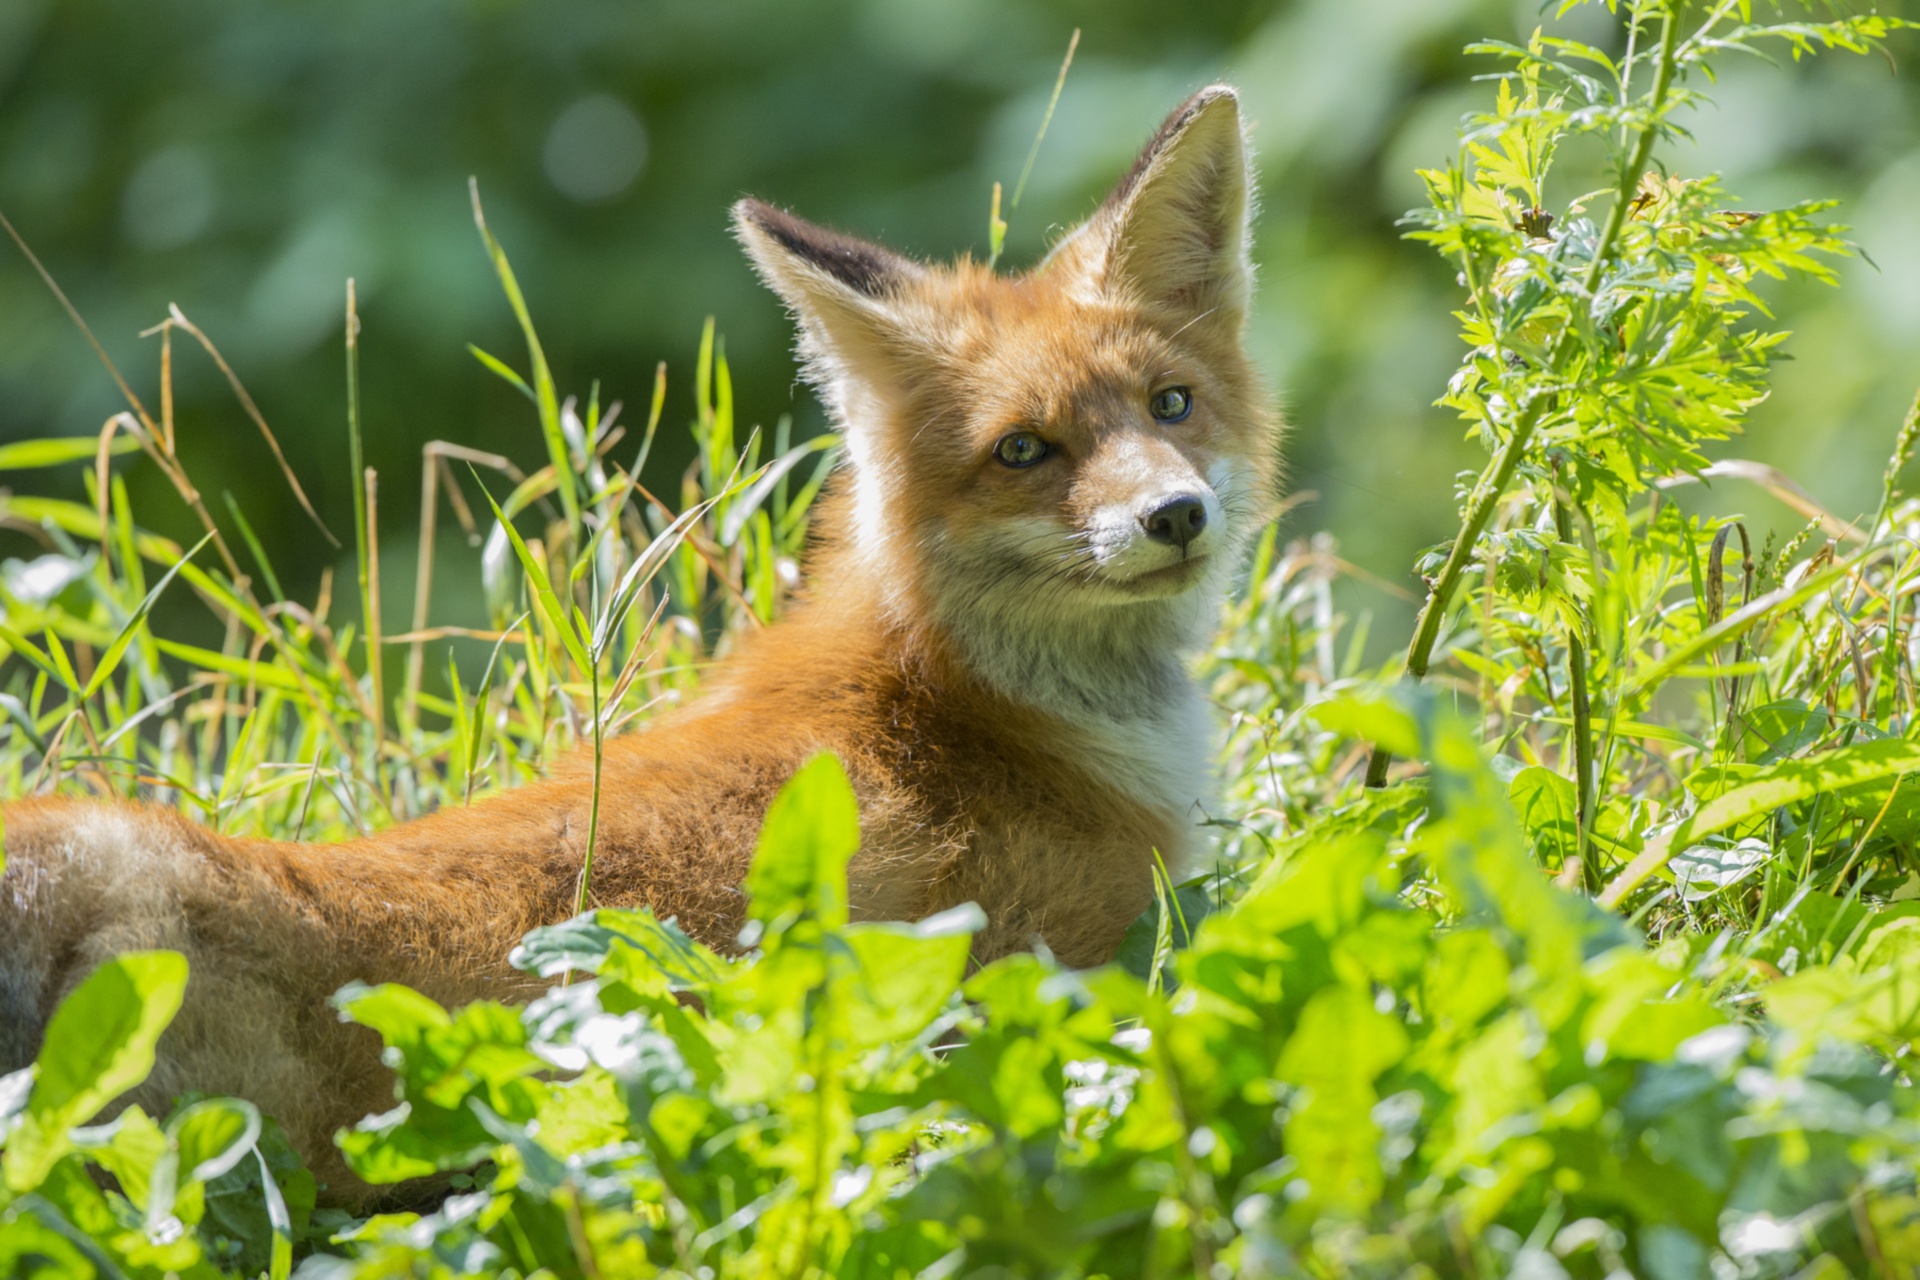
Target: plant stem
[357, 459]
[1493, 481]
[593, 805]
[370, 589]
[1582, 718]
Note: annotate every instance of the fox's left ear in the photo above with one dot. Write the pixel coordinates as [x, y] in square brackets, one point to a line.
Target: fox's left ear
[844, 292]
[1173, 235]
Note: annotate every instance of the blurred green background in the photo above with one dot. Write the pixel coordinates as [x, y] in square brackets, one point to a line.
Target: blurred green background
[242, 159]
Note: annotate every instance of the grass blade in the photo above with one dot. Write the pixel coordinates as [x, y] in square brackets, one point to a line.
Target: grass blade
[111, 658]
[545, 396]
[550, 604]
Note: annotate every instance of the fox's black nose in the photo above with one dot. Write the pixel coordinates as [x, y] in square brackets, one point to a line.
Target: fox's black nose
[1177, 521]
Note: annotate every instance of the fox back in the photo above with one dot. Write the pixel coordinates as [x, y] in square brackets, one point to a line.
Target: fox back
[1050, 478]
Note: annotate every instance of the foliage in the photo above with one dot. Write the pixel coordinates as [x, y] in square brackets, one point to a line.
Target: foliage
[215, 1184]
[1616, 977]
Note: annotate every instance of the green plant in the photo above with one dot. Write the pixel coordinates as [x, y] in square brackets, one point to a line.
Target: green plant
[213, 1185]
[1619, 978]
[1602, 356]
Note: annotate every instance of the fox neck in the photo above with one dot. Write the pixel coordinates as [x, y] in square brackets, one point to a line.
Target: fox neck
[1112, 677]
[1080, 662]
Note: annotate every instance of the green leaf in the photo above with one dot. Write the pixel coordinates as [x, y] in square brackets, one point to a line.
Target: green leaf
[811, 833]
[128, 1148]
[1466, 978]
[98, 1044]
[1545, 803]
[544, 395]
[1342, 1044]
[1778, 730]
[204, 1140]
[550, 604]
[1375, 720]
[501, 368]
[403, 1017]
[267, 674]
[24, 455]
[111, 658]
[256, 1210]
[907, 973]
[585, 943]
[40, 658]
[213, 1136]
[1770, 788]
[1479, 857]
[1189, 904]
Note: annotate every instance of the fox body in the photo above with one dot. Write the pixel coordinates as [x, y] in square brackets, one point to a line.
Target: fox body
[1049, 480]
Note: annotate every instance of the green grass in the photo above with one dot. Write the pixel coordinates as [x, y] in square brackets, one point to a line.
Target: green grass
[1617, 972]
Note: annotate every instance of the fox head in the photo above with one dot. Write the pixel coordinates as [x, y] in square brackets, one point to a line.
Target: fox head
[1062, 463]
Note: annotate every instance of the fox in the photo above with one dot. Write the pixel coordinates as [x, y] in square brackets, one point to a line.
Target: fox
[1047, 482]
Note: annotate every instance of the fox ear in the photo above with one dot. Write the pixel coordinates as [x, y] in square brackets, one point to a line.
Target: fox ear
[1173, 234]
[842, 290]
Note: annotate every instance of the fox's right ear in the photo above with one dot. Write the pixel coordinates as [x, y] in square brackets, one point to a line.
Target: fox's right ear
[1174, 234]
[844, 291]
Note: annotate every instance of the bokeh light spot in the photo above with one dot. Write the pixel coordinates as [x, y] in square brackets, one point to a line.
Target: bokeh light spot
[595, 149]
[169, 200]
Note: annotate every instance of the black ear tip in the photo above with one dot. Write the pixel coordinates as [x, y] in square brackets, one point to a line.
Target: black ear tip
[755, 213]
[1215, 97]
[864, 267]
[1219, 101]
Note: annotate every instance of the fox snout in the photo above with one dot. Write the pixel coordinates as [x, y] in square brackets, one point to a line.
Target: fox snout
[1155, 543]
[1177, 521]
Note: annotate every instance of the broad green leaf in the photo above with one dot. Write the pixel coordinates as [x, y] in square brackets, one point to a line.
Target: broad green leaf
[1163, 928]
[129, 1148]
[403, 1017]
[1479, 857]
[906, 973]
[1703, 870]
[811, 833]
[1466, 979]
[1894, 805]
[1374, 720]
[1880, 1007]
[1637, 1014]
[1769, 789]
[1545, 803]
[204, 1140]
[585, 943]
[213, 1136]
[1779, 730]
[1341, 1045]
[99, 1043]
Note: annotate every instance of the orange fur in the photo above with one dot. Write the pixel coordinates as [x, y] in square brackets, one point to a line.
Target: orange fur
[996, 653]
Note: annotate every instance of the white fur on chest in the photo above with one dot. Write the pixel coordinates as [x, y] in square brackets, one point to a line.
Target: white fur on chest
[1112, 675]
[1163, 759]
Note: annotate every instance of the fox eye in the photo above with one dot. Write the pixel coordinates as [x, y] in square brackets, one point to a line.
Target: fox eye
[1171, 404]
[1020, 449]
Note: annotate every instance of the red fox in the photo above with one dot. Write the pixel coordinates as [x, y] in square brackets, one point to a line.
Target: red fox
[1049, 480]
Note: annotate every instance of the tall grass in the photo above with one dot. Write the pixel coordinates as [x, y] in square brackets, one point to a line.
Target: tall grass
[606, 607]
